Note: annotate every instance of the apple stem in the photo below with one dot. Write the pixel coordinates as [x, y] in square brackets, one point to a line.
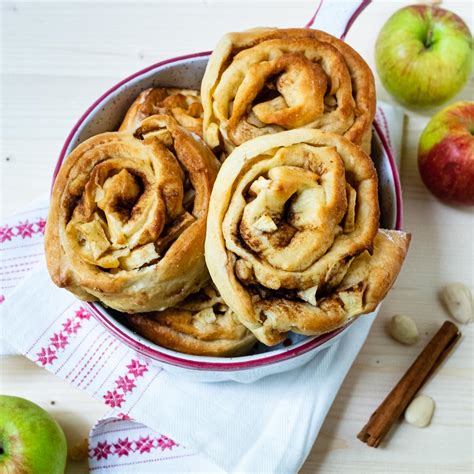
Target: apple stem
[429, 38]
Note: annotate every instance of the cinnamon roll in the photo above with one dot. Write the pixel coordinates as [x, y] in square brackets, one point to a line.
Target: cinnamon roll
[183, 104]
[201, 325]
[128, 214]
[268, 80]
[292, 236]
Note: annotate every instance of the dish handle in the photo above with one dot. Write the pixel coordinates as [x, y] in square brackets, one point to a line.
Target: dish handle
[337, 16]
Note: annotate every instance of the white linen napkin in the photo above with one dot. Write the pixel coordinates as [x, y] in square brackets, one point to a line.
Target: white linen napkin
[181, 426]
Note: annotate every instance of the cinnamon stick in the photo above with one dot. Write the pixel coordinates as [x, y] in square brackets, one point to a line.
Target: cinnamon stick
[403, 393]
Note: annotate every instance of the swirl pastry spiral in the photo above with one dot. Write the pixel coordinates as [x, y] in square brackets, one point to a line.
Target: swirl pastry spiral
[293, 220]
[269, 80]
[201, 325]
[183, 104]
[128, 216]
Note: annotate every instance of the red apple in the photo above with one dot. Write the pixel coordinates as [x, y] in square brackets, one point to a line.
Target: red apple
[446, 154]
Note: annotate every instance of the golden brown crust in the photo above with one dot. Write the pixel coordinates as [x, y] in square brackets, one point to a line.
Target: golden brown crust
[290, 215]
[127, 217]
[183, 104]
[201, 325]
[364, 286]
[268, 80]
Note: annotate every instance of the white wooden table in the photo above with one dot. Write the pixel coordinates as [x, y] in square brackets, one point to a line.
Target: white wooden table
[57, 57]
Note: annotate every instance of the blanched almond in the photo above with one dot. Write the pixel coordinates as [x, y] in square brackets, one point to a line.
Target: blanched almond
[420, 411]
[457, 299]
[403, 329]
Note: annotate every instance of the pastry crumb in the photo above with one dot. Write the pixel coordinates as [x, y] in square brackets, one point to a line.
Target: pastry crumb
[79, 451]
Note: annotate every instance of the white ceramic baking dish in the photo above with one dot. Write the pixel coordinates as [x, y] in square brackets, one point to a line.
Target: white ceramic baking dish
[186, 72]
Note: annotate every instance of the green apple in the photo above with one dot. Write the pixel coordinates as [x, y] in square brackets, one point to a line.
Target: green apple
[423, 55]
[31, 441]
[446, 154]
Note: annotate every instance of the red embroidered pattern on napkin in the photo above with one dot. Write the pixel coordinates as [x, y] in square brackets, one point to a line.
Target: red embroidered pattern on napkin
[75, 347]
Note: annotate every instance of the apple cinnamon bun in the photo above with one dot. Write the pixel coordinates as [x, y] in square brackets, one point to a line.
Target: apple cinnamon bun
[201, 325]
[127, 218]
[292, 236]
[183, 104]
[268, 80]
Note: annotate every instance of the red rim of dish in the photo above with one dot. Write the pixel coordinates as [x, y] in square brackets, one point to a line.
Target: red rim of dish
[203, 365]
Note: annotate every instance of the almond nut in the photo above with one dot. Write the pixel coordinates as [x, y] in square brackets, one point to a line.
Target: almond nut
[457, 299]
[420, 411]
[403, 329]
